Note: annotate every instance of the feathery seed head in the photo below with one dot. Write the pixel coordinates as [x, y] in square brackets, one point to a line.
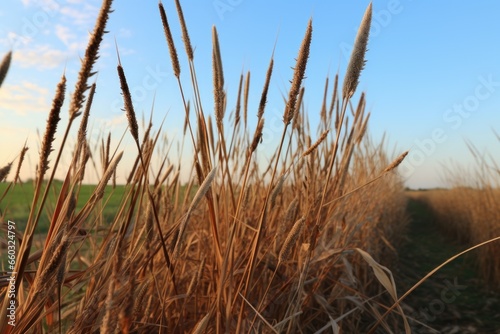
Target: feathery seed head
[129, 107]
[237, 109]
[256, 137]
[263, 97]
[51, 128]
[245, 98]
[396, 162]
[82, 131]
[91, 55]
[298, 76]
[20, 163]
[185, 35]
[357, 60]
[316, 144]
[218, 80]
[291, 239]
[99, 191]
[170, 41]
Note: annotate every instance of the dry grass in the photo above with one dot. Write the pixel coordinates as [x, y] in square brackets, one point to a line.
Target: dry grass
[288, 246]
[469, 211]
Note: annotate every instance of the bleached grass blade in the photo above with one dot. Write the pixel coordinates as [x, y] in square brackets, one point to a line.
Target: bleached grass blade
[385, 278]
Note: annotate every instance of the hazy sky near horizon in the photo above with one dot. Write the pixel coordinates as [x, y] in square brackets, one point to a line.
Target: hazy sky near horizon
[432, 78]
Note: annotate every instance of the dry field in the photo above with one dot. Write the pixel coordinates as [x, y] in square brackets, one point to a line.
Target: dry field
[299, 243]
[470, 211]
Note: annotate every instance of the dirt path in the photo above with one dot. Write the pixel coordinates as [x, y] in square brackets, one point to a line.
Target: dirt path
[454, 300]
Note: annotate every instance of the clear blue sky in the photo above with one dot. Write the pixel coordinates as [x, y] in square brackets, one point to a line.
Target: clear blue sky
[432, 78]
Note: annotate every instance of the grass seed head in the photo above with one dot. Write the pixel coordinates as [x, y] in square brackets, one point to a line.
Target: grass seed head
[20, 163]
[129, 107]
[298, 75]
[316, 144]
[245, 98]
[185, 35]
[357, 60]
[82, 130]
[396, 162]
[218, 80]
[51, 127]
[91, 55]
[290, 240]
[263, 97]
[256, 137]
[170, 41]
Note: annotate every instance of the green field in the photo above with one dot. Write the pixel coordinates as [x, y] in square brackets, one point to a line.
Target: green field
[16, 206]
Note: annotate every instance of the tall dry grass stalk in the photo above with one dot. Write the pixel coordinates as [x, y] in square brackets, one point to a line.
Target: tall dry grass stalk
[204, 187]
[171, 46]
[185, 34]
[129, 107]
[50, 131]
[357, 59]
[74, 110]
[252, 245]
[20, 163]
[91, 55]
[245, 96]
[82, 130]
[288, 115]
[298, 76]
[263, 97]
[218, 81]
[45, 150]
[356, 63]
